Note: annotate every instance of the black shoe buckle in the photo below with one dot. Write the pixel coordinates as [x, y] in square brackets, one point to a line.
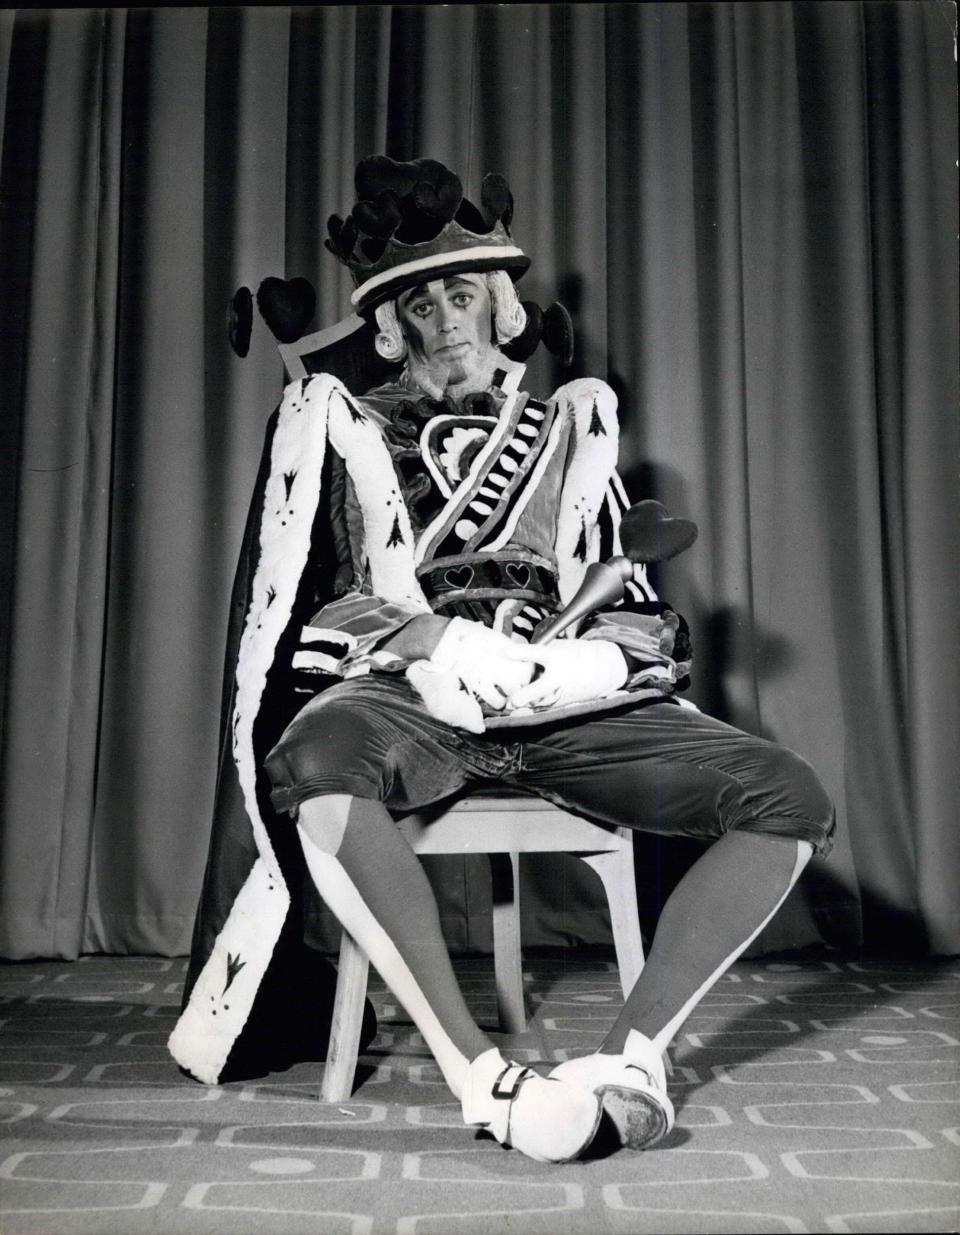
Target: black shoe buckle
[508, 1095]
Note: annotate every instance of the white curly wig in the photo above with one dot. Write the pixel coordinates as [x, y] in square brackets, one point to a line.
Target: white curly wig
[509, 317]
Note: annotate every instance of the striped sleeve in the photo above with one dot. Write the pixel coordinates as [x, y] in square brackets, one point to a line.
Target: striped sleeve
[653, 636]
[637, 633]
[347, 630]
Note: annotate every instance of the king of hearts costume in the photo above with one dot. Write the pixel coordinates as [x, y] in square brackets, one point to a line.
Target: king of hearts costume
[385, 506]
[473, 523]
[376, 508]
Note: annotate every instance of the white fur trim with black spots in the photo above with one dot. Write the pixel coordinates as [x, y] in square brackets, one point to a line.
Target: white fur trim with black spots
[207, 1030]
[312, 409]
[593, 407]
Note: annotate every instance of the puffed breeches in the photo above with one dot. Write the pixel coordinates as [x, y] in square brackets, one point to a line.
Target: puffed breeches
[657, 767]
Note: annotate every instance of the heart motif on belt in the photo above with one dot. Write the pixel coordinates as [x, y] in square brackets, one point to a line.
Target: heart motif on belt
[519, 574]
[459, 576]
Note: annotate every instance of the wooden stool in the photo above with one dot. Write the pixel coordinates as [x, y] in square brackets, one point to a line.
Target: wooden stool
[503, 828]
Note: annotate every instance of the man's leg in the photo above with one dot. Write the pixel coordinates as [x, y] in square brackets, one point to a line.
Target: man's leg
[672, 770]
[714, 913]
[375, 885]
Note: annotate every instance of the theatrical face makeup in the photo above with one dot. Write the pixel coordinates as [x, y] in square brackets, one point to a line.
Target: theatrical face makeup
[448, 328]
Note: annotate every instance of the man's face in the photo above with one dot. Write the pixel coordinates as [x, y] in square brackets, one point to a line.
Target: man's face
[447, 326]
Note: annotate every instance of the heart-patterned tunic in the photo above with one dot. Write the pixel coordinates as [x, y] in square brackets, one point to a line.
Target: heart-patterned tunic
[507, 497]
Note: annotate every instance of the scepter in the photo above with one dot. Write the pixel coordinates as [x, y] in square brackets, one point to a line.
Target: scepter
[648, 533]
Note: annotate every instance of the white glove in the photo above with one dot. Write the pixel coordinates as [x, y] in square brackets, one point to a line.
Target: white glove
[469, 663]
[574, 671]
[483, 660]
[445, 698]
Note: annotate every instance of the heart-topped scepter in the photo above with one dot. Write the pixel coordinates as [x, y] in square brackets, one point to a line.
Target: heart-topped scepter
[648, 533]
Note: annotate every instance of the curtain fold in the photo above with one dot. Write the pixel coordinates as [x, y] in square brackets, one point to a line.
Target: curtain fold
[63, 410]
[750, 211]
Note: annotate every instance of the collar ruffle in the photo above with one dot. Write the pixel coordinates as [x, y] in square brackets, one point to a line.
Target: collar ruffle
[409, 416]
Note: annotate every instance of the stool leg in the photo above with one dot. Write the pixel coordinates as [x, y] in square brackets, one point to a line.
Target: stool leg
[508, 970]
[344, 1045]
[616, 872]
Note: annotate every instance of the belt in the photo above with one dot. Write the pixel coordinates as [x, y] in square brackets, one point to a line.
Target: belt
[505, 576]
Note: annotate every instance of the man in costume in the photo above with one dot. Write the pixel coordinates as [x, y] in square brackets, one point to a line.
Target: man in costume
[462, 513]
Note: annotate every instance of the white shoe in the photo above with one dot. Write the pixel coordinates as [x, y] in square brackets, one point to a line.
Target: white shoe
[632, 1088]
[547, 1118]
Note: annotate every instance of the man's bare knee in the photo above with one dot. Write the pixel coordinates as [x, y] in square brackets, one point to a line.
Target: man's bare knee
[323, 820]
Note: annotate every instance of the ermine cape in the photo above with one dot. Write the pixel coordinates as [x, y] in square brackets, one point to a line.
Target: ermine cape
[257, 996]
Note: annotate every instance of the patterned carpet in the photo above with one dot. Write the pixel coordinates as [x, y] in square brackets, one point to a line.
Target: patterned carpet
[814, 1095]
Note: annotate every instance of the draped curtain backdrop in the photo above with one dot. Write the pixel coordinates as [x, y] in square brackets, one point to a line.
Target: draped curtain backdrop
[750, 211]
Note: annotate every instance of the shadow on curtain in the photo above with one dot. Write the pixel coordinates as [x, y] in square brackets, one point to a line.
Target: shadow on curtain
[751, 212]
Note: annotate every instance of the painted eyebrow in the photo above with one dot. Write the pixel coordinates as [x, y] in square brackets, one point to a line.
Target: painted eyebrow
[413, 294]
[453, 282]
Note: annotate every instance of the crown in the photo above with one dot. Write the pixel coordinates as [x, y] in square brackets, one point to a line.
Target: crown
[411, 223]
